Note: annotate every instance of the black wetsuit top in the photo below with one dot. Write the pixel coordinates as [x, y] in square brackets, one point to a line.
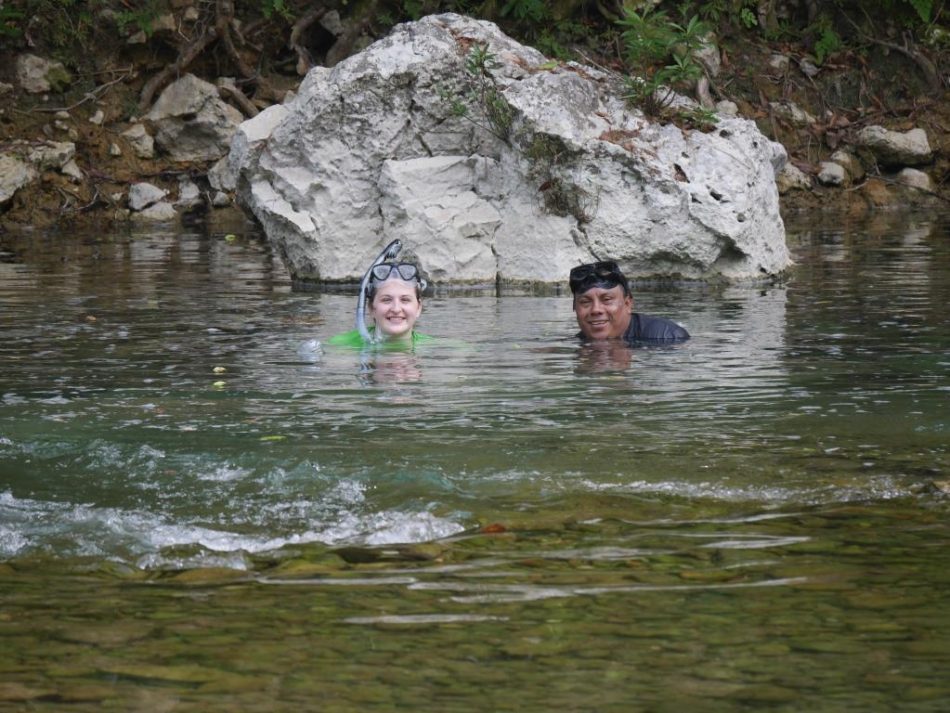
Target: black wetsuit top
[646, 329]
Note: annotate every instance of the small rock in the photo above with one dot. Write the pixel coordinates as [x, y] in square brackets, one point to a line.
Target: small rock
[221, 200]
[850, 163]
[97, 118]
[14, 174]
[140, 140]
[189, 195]
[727, 108]
[161, 211]
[792, 112]
[332, 23]
[114, 150]
[792, 178]
[832, 174]
[37, 75]
[5, 89]
[71, 169]
[191, 14]
[51, 154]
[142, 195]
[62, 115]
[913, 178]
[779, 63]
[809, 68]
[895, 148]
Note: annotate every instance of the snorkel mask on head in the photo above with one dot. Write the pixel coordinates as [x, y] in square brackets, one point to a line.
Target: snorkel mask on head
[405, 271]
[380, 271]
[604, 275]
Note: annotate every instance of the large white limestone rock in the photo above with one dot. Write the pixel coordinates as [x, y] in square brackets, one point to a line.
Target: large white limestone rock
[373, 149]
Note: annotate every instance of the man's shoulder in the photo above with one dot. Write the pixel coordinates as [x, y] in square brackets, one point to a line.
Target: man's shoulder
[647, 328]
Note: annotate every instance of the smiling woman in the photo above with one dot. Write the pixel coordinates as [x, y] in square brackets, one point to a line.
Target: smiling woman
[395, 304]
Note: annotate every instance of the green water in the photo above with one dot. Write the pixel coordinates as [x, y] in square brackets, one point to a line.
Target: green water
[752, 521]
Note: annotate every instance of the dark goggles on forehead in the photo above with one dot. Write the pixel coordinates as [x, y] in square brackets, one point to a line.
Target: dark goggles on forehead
[406, 271]
[605, 272]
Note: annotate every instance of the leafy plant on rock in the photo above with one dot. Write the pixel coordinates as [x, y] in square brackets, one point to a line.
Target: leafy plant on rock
[664, 52]
[479, 92]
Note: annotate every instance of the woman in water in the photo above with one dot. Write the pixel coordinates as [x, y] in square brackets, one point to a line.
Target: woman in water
[394, 291]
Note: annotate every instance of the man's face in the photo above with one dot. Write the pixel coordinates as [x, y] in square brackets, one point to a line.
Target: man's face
[602, 313]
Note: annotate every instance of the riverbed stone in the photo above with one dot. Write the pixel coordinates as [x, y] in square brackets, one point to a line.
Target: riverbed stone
[192, 122]
[896, 148]
[568, 172]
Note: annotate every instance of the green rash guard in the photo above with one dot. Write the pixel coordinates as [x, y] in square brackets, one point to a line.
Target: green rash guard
[354, 340]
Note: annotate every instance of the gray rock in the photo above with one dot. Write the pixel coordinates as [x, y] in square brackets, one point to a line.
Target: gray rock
[832, 174]
[51, 154]
[14, 175]
[779, 63]
[895, 148]
[163, 211]
[792, 112]
[792, 178]
[72, 170]
[37, 75]
[142, 195]
[189, 195]
[913, 178]
[97, 118]
[192, 122]
[5, 89]
[371, 150]
[850, 164]
[220, 199]
[140, 140]
[727, 108]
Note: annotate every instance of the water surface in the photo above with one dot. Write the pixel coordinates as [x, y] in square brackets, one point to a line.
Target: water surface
[202, 510]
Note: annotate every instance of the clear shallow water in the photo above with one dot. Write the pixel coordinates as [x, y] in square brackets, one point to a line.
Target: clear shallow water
[197, 511]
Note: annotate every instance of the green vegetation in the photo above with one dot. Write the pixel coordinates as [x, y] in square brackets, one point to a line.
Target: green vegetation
[479, 95]
[665, 53]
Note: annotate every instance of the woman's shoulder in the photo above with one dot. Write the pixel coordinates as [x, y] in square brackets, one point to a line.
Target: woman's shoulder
[353, 338]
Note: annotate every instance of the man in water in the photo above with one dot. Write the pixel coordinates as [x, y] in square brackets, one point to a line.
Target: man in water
[603, 306]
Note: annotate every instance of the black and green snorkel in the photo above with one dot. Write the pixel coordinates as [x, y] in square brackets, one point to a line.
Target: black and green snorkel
[389, 253]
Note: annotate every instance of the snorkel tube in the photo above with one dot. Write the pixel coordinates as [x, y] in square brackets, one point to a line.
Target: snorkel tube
[389, 253]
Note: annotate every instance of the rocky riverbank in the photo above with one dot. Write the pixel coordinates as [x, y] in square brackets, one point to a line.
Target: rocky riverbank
[861, 134]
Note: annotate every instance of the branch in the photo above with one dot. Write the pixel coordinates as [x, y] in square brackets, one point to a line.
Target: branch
[304, 60]
[228, 90]
[185, 57]
[934, 82]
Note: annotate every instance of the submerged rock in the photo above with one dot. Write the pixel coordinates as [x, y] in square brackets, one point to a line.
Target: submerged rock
[512, 170]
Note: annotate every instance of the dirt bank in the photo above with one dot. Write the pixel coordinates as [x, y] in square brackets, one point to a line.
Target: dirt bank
[848, 92]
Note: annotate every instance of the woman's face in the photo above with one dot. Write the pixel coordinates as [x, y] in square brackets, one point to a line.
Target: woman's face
[395, 309]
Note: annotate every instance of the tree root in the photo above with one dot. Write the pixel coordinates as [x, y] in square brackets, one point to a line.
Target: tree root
[304, 60]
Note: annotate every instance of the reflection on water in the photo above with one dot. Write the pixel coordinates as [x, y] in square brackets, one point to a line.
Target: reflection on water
[201, 508]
